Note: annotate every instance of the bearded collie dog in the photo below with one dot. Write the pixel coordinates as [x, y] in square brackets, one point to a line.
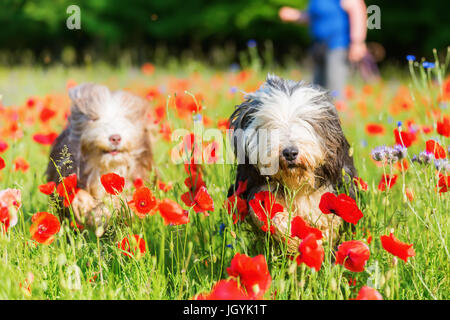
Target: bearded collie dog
[107, 132]
[288, 140]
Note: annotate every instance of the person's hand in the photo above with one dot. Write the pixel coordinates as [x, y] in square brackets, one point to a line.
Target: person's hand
[289, 14]
[357, 51]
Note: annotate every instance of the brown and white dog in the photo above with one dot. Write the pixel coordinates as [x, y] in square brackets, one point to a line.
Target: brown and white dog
[108, 132]
[308, 154]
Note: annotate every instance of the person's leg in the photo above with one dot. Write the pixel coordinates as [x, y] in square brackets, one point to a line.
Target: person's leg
[318, 57]
[337, 71]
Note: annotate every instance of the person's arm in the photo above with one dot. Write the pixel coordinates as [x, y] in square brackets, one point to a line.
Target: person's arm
[289, 14]
[357, 13]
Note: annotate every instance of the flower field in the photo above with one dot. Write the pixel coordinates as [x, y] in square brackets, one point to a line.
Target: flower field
[182, 238]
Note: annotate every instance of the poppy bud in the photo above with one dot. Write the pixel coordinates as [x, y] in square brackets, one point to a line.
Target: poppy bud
[387, 291]
[388, 275]
[333, 284]
[292, 268]
[62, 259]
[99, 231]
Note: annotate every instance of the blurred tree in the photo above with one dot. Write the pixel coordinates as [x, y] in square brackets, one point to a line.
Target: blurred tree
[109, 26]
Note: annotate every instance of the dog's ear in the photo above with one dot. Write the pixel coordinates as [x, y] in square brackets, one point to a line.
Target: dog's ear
[136, 106]
[87, 98]
[243, 114]
[337, 158]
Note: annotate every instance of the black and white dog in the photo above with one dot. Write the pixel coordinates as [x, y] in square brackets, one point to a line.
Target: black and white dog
[294, 127]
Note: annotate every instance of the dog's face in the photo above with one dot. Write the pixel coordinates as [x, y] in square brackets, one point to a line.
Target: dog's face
[301, 126]
[110, 125]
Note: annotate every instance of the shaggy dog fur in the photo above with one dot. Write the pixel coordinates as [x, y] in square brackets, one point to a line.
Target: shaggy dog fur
[107, 132]
[311, 152]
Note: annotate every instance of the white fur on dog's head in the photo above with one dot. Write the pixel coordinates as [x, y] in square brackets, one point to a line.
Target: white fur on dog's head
[98, 114]
[295, 116]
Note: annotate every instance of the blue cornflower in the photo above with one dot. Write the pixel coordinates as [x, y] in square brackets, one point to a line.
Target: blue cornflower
[233, 90]
[251, 43]
[399, 123]
[428, 65]
[221, 228]
[229, 246]
[410, 57]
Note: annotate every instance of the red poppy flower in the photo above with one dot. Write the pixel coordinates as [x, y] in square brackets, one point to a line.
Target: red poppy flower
[45, 139]
[353, 255]
[367, 293]
[426, 129]
[46, 114]
[47, 188]
[4, 218]
[113, 183]
[375, 129]
[360, 183]
[78, 226]
[3, 146]
[2, 163]
[409, 194]
[211, 152]
[143, 202]
[265, 207]
[237, 207]
[202, 201]
[242, 187]
[138, 182]
[351, 282]
[166, 131]
[172, 212]
[225, 290]
[223, 124]
[44, 227]
[402, 165]
[147, 68]
[194, 181]
[300, 228]
[436, 149]
[21, 164]
[342, 205]
[253, 274]
[404, 138]
[311, 252]
[67, 189]
[443, 183]
[132, 246]
[399, 249]
[164, 187]
[443, 127]
[387, 180]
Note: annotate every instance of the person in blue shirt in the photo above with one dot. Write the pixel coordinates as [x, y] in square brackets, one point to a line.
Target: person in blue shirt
[338, 29]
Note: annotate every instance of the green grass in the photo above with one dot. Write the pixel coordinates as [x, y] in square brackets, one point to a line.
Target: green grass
[182, 261]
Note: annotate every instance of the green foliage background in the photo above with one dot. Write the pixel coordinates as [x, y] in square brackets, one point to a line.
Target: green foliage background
[109, 26]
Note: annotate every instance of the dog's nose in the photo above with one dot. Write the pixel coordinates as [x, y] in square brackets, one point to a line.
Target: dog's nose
[115, 139]
[290, 153]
